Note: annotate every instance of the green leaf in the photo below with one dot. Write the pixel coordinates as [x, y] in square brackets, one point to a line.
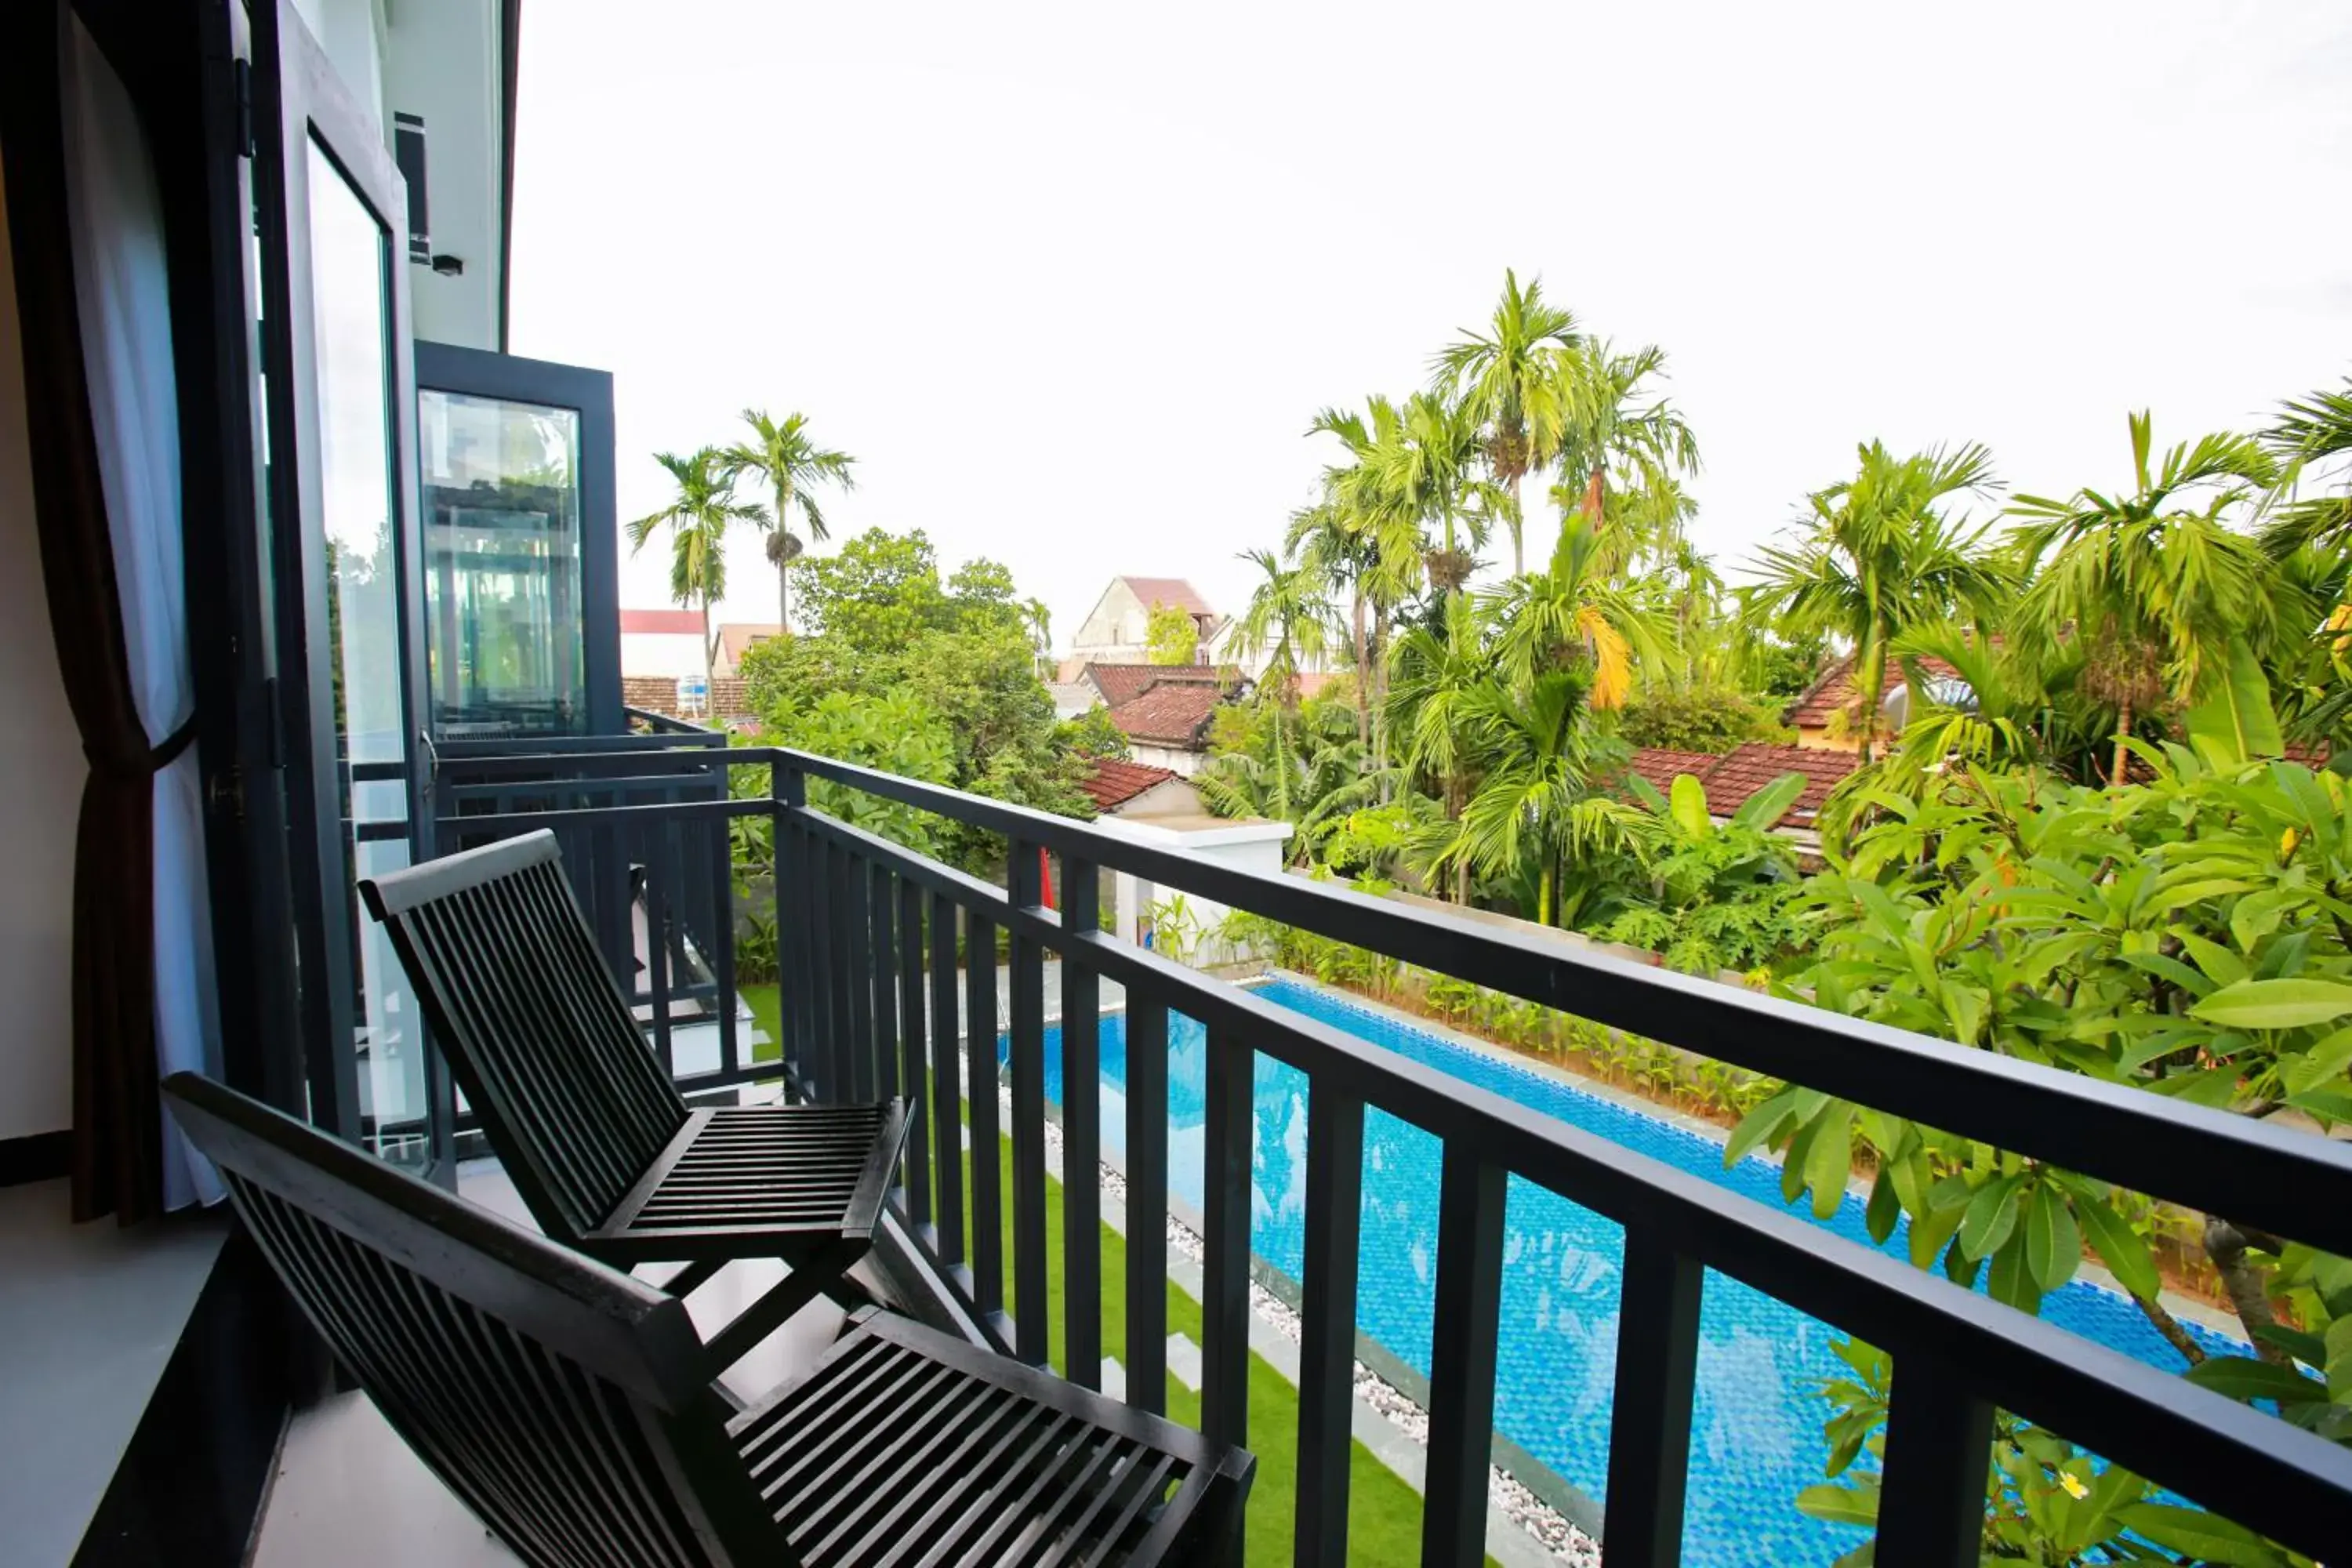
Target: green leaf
[2172, 969]
[1885, 1207]
[2232, 713]
[1991, 1215]
[2210, 956]
[1688, 803]
[1840, 1505]
[2275, 1004]
[2245, 1378]
[1930, 1231]
[2309, 1349]
[1757, 1127]
[2324, 1060]
[2054, 1246]
[2209, 1538]
[2338, 1365]
[2122, 1249]
[1765, 807]
[2009, 1280]
[1828, 1160]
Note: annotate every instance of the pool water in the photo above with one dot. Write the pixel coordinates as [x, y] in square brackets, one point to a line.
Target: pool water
[1756, 1437]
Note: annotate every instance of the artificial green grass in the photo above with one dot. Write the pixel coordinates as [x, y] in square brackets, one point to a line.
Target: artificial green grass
[1383, 1512]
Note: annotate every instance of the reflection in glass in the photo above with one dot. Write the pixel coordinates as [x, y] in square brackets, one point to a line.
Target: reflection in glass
[502, 567]
[351, 336]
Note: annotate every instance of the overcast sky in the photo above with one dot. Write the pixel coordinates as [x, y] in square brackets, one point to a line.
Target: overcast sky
[1070, 282]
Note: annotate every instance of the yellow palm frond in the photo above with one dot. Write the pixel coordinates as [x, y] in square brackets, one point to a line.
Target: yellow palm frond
[1612, 658]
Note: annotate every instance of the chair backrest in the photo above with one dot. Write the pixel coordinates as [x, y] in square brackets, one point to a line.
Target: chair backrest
[538, 1032]
[559, 1399]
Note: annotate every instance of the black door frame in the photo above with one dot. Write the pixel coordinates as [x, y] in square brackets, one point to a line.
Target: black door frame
[447, 367]
[299, 100]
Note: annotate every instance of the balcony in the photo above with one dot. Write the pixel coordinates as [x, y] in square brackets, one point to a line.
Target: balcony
[1552, 1319]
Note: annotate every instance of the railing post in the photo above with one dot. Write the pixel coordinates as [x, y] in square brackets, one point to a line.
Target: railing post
[1147, 1204]
[947, 1091]
[1649, 1425]
[1938, 1448]
[857, 980]
[979, 1105]
[833, 938]
[914, 1078]
[1081, 1128]
[1471, 1195]
[1024, 883]
[1327, 1374]
[788, 799]
[882, 904]
[1226, 1136]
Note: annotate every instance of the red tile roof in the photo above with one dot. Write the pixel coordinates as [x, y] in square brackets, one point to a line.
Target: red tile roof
[1173, 713]
[1661, 767]
[669, 621]
[1123, 683]
[1748, 768]
[736, 638]
[1173, 592]
[1834, 693]
[1114, 783]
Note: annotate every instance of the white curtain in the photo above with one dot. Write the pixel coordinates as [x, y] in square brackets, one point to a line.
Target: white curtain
[122, 289]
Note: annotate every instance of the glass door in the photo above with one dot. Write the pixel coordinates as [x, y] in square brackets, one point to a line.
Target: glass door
[348, 590]
[515, 458]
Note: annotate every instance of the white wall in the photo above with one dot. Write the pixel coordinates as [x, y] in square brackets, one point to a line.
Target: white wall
[1248, 845]
[1173, 758]
[441, 62]
[41, 773]
[674, 655]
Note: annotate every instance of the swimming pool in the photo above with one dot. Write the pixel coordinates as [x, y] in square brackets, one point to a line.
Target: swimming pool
[1756, 1434]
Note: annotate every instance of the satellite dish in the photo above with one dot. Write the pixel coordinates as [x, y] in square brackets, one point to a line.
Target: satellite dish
[784, 548]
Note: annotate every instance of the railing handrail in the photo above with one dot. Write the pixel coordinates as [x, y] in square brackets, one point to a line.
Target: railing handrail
[2291, 1183]
[2229, 1455]
[1957, 1352]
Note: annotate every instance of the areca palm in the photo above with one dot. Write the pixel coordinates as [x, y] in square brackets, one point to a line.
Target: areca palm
[2312, 438]
[1434, 669]
[1881, 555]
[1507, 380]
[1289, 619]
[1419, 469]
[792, 465]
[2152, 584]
[696, 517]
[1608, 419]
[1532, 804]
[1321, 540]
[1570, 614]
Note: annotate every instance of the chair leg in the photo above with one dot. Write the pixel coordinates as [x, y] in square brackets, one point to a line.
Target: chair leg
[693, 1277]
[817, 1274]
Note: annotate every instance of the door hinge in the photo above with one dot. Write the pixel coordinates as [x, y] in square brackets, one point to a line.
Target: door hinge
[225, 792]
[245, 142]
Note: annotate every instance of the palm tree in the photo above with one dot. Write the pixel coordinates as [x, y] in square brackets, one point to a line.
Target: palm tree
[793, 465]
[1320, 540]
[1383, 542]
[1571, 616]
[1604, 421]
[1531, 800]
[1038, 621]
[1507, 380]
[2314, 431]
[1427, 466]
[697, 517]
[1436, 668]
[2154, 584]
[1882, 556]
[1289, 619]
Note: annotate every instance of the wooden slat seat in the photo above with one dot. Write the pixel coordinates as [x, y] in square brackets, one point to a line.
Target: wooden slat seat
[596, 1139]
[753, 1176]
[570, 1407]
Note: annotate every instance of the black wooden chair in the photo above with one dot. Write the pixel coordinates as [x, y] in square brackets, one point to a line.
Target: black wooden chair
[604, 1152]
[572, 1406]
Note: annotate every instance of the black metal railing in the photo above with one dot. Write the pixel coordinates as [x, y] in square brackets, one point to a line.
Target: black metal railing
[868, 961]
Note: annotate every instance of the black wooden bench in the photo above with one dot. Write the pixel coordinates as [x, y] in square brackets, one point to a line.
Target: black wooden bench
[603, 1150]
[571, 1407]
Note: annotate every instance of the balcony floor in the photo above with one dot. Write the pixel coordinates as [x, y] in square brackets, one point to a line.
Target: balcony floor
[350, 1492]
[90, 1315]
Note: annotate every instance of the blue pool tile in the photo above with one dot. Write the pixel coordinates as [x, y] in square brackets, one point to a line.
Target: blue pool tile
[1755, 1435]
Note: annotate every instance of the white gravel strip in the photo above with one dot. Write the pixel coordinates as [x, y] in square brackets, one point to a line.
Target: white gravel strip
[1565, 1542]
